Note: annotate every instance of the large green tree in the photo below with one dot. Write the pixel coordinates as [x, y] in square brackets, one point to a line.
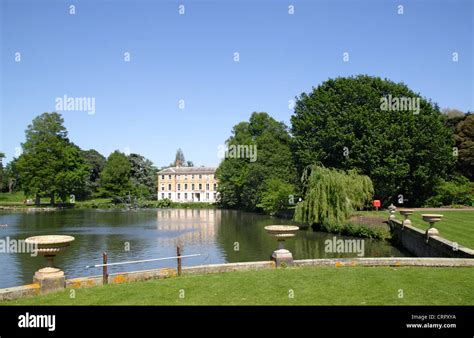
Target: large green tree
[2, 156]
[331, 195]
[246, 177]
[96, 163]
[50, 164]
[180, 161]
[343, 124]
[143, 175]
[464, 137]
[115, 178]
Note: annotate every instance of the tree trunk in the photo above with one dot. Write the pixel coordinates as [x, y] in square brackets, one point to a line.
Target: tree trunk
[37, 200]
[52, 198]
[11, 183]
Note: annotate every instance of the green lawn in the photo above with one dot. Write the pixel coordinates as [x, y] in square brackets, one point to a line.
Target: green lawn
[310, 286]
[456, 225]
[13, 198]
[17, 198]
[94, 202]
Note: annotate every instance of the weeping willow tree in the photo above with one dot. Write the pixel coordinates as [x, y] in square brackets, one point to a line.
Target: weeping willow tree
[331, 195]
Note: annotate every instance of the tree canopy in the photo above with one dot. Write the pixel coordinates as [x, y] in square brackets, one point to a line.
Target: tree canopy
[330, 196]
[96, 163]
[258, 160]
[50, 164]
[2, 156]
[180, 160]
[342, 124]
[143, 175]
[464, 137]
[115, 179]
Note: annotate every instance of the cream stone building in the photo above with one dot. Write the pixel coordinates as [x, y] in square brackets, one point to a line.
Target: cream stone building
[188, 184]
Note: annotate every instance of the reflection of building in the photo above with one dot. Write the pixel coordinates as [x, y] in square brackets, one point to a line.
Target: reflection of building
[187, 184]
[195, 226]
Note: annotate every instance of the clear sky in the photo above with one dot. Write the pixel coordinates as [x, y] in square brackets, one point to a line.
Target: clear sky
[190, 57]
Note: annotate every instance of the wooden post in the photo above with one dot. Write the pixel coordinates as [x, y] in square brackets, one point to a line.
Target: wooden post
[178, 253]
[105, 275]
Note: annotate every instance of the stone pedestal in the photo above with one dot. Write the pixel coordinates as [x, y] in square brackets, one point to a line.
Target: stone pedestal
[392, 209]
[431, 219]
[406, 213]
[282, 258]
[432, 232]
[50, 280]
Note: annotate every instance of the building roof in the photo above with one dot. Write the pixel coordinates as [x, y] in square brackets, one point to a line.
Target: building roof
[187, 170]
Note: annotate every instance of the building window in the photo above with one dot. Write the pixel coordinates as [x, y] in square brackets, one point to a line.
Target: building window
[162, 177]
[215, 195]
[207, 186]
[200, 186]
[169, 195]
[192, 177]
[185, 186]
[162, 195]
[192, 186]
[215, 187]
[200, 176]
[179, 195]
[207, 196]
[179, 187]
[185, 195]
[169, 176]
[169, 187]
[162, 187]
[177, 177]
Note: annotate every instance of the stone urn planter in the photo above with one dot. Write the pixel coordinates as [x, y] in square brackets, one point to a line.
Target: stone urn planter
[281, 256]
[49, 278]
[405, 213]
[392, 209]
[432, 219]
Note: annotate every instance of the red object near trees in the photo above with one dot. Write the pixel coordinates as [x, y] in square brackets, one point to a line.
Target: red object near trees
[377, 204]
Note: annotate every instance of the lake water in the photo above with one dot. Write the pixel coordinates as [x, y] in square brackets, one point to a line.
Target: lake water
[220, 235]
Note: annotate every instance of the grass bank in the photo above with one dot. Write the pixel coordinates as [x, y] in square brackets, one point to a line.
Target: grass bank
[308, 286]
[456, 225]
[16, 200]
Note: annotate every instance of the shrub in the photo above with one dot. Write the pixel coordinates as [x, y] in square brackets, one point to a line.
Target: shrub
[164, 203]
[458, 191]
[276, 196]
[356, 230]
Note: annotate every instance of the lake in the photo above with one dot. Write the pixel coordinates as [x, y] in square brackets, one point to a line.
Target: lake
[220, 235]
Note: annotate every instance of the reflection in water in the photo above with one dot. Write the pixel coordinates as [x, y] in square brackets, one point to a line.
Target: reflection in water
[220, 235]
[195, 226]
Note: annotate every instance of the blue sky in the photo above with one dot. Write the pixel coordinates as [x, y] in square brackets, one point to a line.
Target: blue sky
[191, 57]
